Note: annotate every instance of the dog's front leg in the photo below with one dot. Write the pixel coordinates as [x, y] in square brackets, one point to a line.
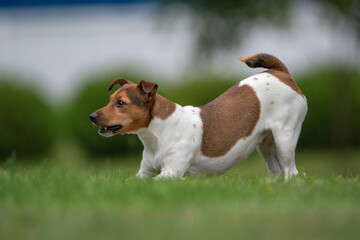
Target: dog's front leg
[146, 165]
[168, 173]
[175, 167]
[143, 174]
[145, 169]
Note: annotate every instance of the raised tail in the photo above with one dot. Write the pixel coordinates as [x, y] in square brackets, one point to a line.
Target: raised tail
[264, 60]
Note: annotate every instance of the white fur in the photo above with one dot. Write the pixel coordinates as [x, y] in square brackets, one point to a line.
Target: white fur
[172, 146]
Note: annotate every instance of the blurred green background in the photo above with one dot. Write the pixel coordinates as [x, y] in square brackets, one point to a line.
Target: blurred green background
[34, 125]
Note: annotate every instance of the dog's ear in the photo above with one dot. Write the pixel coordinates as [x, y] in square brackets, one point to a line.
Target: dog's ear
[149, 89]
[121, 81]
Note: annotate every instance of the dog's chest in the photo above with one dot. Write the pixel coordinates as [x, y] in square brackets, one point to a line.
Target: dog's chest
[174, 138]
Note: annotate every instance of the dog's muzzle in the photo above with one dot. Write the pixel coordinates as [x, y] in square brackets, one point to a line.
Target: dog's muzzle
[106, 131]
[109, 131]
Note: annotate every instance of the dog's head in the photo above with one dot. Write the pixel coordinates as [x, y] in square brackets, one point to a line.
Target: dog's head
[129, 108]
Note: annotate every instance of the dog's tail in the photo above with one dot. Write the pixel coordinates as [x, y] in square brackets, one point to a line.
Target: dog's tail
[264, 60]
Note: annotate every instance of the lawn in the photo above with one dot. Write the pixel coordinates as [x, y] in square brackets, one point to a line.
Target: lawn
[69, 198]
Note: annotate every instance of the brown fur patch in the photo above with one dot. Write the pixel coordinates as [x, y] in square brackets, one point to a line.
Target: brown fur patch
[228, 118]
[286, 78]
[133, 94]
[264, 60]
[163, 108]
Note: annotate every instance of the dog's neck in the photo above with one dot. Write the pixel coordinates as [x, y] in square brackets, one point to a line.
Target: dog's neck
[163, 118]
[163, 108]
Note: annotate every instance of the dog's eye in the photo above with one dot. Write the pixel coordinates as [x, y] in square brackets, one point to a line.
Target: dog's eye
[120, 103]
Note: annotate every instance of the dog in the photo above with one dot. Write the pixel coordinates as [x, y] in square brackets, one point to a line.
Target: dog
[264, 111]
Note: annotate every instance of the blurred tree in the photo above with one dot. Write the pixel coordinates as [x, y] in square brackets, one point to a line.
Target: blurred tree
[220, 24]
[333, 100]
[349, 9]
[26, 121]
[198, 91]
[343, 118]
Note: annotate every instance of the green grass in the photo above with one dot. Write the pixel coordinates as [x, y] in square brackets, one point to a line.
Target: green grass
[69, 198]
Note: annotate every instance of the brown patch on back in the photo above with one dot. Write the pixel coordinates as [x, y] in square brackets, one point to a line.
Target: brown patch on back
[228, 118]
[163, 108]
[286, 78]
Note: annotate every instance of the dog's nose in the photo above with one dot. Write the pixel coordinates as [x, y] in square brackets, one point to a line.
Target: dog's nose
[93, 117]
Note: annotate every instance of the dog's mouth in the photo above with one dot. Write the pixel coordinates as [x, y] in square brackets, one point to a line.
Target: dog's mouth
[109, 131]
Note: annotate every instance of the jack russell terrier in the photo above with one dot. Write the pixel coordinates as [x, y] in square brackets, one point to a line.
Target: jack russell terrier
[264, 111]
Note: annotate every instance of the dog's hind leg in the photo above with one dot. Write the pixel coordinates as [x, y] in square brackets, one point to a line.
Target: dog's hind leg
[286, 140]
[267, 149]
